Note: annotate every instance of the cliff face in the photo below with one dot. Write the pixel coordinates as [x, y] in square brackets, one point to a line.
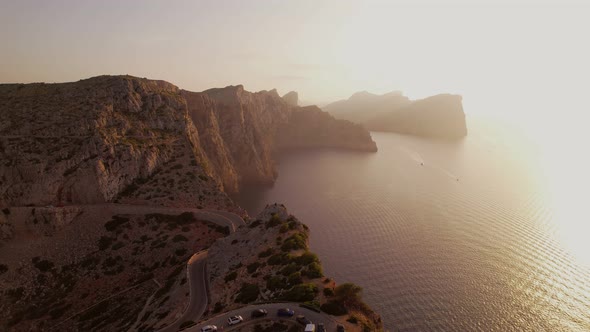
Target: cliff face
[85, 142]
[439, 116]
[240, 130]
[124, 138]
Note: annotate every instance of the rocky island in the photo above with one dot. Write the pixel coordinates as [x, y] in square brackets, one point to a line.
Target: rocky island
[109, 186]
[439, 116]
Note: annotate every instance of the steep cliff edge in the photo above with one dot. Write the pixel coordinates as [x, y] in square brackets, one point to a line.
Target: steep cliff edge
[122, 138]
[240, 130]
[94, 140]
[439, 116]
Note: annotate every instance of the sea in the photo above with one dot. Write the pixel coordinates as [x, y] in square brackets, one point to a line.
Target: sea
[489, 233]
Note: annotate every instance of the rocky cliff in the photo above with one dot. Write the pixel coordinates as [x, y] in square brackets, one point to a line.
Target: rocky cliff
[92, 141]
[439, 116]
[240, 131]
[122, 138]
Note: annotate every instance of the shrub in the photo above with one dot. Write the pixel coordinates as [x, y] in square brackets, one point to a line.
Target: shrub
[348, 293]
[314, 270]
[328, 292]
[231, 276]
[301, 293]
[279, 259]
[295, 278]
[289, 269]
[43, 265]
[334, 309]
[248, 293]
[218, 307]
[307, 258]
[255, 223]
[178, 238]
[274, 220]
[266, 253]
[284, 228]
[294, 242]
[276, 283]
[253, 267]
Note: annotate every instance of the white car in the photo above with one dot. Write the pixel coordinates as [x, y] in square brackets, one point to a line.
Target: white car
[209, 328]
[234, 320]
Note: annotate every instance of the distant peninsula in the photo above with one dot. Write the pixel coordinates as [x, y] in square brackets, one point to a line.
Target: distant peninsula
[440, 116]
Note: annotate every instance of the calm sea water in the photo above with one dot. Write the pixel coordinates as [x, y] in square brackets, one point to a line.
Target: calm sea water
[477, 235]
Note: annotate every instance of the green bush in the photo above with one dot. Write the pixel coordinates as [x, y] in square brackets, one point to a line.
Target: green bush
[301, 293]
[294, 242]
[328, 292]
[275, 283]
[334, 309]
[314, 270]
[307, 258]
[279, 259]
[289, 269]
[295, 278]
[248, 293]
[274, 220]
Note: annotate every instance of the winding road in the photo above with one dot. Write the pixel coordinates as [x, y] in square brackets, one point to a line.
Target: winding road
[196, 269]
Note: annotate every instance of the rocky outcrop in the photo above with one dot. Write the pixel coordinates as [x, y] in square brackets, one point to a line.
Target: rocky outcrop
[240, 130]
[311, 127]
[439, 116]
[291, 98]
[271, 257]
[110, 138]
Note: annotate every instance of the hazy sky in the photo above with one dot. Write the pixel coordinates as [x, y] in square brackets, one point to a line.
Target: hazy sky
[500, 57]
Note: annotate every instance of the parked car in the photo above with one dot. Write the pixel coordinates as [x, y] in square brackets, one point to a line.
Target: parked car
[259, 313]
[285, 312]
[209, 328]
[233, 320]
[321, 327]
[302, 320]
[340, 328]
[310, 328]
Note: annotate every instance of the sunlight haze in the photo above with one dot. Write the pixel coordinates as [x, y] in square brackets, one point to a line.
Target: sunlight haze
[504, 59]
